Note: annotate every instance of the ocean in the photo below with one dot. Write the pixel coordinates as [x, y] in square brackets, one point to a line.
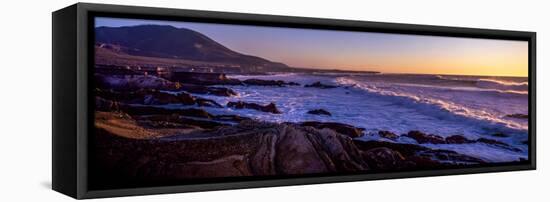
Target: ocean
[472, 106]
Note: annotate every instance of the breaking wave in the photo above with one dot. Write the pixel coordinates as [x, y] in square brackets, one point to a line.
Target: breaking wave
[441, 108]
[493, 84]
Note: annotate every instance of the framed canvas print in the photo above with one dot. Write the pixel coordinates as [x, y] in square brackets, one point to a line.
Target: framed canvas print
[153, 100]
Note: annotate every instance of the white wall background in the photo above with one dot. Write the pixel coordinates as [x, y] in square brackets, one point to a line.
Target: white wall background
[25, 102]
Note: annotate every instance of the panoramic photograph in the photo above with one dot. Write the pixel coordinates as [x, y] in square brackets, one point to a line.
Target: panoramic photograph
[187, 102]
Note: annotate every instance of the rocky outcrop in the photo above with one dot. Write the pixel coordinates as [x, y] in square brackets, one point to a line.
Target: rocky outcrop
[387, 134]
[318, 84]
[253, 148]
[147, 97]
[348, 130]
[140, 82]
[138, 110]
[383, 158]
[207, 90]
[458, 139]
[399, 156]
[248, 149]
[132, 82]
[271, 108]
[207, 103]
[155, 97]
[423, 138]
[319, 112]
[259, 82]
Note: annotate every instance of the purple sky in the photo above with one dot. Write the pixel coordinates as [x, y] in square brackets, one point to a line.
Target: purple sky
[394, 53]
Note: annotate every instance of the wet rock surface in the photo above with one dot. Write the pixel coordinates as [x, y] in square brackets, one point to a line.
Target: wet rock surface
[457, 139]
[250, 148]
[423, 138]
[345, 129]
[387, 134]
[270, 108]
[319, 112]
[207, 90]
[318, 84]
[253, 148]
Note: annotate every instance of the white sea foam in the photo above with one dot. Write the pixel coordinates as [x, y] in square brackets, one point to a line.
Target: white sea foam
[503, 85]
[420, 96]
[395, 103]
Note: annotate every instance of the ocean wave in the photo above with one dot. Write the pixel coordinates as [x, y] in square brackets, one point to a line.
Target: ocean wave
[434, 106]
[503, 86]
[471, 89]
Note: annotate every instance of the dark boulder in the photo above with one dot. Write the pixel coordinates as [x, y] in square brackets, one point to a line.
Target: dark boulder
[416, 156]
[345, 129]
[318, 84]
[271, 108]
[457, 139]
[387, 134]
[404, 149]
[207, 103]
[423, 138]
[383, 158]
[319, 112]
[231, 118]
[198, 89]
[293, 83]
[441, 155]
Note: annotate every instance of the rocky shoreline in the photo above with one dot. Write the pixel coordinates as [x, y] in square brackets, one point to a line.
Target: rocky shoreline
[136, 139]
[250, 148]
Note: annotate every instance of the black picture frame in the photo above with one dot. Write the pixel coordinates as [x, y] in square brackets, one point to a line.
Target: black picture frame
[72, 61]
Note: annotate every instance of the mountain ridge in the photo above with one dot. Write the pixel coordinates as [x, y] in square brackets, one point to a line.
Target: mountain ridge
[164, 41]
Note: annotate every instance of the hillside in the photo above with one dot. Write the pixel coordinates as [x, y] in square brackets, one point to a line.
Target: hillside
[172, 45]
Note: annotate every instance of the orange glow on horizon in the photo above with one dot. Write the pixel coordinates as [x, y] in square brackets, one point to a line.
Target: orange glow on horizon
[485, 61]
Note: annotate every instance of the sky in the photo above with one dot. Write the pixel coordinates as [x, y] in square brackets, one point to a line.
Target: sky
[367, 51]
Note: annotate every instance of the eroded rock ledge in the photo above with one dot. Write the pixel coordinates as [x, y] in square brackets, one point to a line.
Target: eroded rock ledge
[253, 148]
